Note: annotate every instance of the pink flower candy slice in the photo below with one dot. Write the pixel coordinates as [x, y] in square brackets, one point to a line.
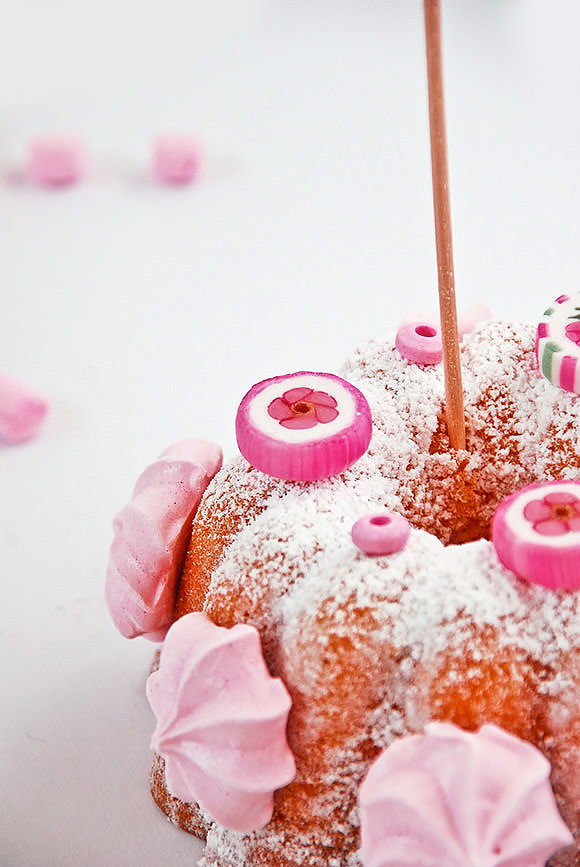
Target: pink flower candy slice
[303, 426]
[381, 533]
[536, 533]
[221, 722]
[452, 798]
[151, 537]
[420, 342]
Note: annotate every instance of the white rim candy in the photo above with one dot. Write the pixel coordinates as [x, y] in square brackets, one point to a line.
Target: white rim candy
[303, 426]
[536, 533]
[558, 343]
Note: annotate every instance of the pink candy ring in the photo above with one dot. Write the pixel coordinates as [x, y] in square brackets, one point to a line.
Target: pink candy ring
[381, 533]
[558, 343]
[536, 533]
[420, 342]
[303, 426]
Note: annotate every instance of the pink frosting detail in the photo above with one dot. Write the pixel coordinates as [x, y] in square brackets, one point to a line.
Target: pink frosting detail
[221, 722]
[460, 799]
[21, 412]
[151, 537]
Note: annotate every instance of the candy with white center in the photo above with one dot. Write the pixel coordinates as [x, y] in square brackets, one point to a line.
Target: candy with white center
[56, 161]
[221, 721]
[420, 342]
[303, 426]
[452, 798]
[558, 343]
[381, 533]
[21, 412]
[536, 533]
[176, 159]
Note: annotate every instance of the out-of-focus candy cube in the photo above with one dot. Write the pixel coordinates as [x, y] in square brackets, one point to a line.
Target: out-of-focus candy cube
[56, 161]
[21, 412]
[176, 159]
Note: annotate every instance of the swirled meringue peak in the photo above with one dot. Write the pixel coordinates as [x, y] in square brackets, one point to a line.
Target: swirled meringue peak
[451, 798]
[221, 722]
[151, 537]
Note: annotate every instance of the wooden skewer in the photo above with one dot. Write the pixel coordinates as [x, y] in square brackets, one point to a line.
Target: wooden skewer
[454, 410]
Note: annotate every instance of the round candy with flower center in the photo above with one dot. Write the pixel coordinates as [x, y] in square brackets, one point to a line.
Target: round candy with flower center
[536, 533]
[303, 426]
[420, 342]
[558, 343]
[381, 533]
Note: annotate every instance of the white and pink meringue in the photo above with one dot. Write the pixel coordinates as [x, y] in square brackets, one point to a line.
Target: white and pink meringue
[151, 536]
[221, 722]
[451, 798]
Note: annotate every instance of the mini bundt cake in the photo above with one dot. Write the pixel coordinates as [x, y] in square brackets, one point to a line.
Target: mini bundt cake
[377, 641]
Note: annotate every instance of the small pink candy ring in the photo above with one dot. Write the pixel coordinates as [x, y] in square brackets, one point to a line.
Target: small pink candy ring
[381, 533]
[536, 534]
[303, 426]
[420, 342]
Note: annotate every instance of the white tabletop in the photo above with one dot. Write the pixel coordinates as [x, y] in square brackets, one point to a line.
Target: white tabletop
[144, 313]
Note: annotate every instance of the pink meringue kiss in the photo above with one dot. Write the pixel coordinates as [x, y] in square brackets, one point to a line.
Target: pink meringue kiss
[151, 536]
[536, 533]
[303, 426]
[381, 533]
[21, 412]
[221, 722]
[460, 799]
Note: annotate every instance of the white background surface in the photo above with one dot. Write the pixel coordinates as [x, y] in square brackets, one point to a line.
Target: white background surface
[143, 313]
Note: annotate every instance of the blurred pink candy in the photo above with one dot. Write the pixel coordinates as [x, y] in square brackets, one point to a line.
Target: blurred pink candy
[56, 161]
[176, 159]
[21, 412]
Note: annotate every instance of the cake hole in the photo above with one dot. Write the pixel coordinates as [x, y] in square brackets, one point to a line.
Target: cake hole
[425, 331]
[380, 520]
